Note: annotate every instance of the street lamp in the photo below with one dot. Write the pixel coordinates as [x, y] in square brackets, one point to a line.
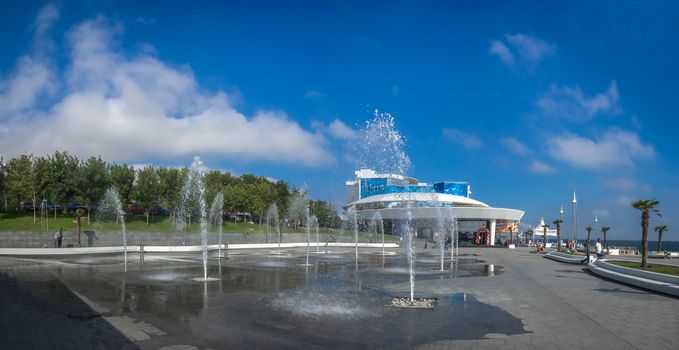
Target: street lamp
[574, 227]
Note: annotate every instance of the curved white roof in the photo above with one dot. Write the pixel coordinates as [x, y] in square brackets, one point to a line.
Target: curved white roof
[422, 197]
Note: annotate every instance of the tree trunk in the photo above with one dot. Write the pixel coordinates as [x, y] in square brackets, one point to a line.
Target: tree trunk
[659, 241]
[77, 227]
[644, 238]
[605, 243]
[147, 218]
[34, 210]
[558, 237]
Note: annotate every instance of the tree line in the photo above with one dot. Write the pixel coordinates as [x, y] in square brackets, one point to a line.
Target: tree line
[62, 178]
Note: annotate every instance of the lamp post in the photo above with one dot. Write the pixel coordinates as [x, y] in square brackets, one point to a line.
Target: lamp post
[596, 226]
[574, 221]
[558, 244]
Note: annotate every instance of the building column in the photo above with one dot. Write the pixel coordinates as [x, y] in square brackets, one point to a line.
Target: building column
[492, 232]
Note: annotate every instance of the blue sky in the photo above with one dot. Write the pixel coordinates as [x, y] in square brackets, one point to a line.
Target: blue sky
[526, 100]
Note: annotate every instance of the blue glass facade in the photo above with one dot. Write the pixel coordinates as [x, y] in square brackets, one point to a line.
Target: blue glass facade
[456, 188]
[376, 186]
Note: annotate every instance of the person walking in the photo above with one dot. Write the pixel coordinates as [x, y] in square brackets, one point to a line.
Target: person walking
[58, 237]
[586, 259]
[599, 248]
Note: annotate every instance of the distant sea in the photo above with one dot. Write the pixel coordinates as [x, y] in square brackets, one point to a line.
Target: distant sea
[652, 245]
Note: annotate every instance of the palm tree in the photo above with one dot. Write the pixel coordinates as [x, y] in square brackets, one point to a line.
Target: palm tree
[660, 229]
[528, 233]
[605, 230]
[544, 234]
[645, 206]
[558, 222]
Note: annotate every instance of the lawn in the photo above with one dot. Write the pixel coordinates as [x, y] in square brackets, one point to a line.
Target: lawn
[566, 251]
[666, 269]
[23, 222]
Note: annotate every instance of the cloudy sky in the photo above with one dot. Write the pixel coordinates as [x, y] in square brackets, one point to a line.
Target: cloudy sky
[526, 101]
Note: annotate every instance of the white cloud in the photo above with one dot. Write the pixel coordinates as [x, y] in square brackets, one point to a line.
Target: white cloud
[339, 130]
[515, 146]
[146, 21]
[530, 48]
[613, 148]
[626, 185]
[32, 77]
[314, 94]
[135, 108]
[541, 168]
[459, 136]
[601, 213]
[522, 50]
[47, 16]
[625, 200]
[499, 49]
[571, 104]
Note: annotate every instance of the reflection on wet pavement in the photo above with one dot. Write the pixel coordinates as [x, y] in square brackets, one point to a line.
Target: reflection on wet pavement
[266, 301]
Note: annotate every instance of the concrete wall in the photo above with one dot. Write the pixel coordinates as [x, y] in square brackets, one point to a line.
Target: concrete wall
[106, 239]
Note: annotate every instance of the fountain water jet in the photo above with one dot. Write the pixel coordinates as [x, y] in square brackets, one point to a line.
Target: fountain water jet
[352, 223]
[272, 218]
[377, 227]
[193, 198]
[110, 206]
[216, 217]
[308, 234]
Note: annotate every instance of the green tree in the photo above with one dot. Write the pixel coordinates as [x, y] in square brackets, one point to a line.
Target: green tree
[122, 178]
[213, 184]
[94, 180]
[558, 222]
[236, 199]
[544, 234]
[325, 213]
[3, 180]
[147, 189]
[170, 185]
[62, 179]
[262, 195]
[660, 229]
[19, 171]
[645, 206]
[282, 197]
[604, 230]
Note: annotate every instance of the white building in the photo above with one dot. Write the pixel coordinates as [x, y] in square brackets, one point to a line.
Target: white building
[394, 196]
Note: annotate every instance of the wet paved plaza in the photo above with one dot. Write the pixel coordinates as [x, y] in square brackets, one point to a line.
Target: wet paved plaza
[260, 299]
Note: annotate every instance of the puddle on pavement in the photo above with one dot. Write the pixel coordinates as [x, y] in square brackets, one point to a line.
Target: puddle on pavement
[265, 301]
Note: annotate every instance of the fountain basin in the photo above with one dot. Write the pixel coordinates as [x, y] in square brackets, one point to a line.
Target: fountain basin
[416, 303]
